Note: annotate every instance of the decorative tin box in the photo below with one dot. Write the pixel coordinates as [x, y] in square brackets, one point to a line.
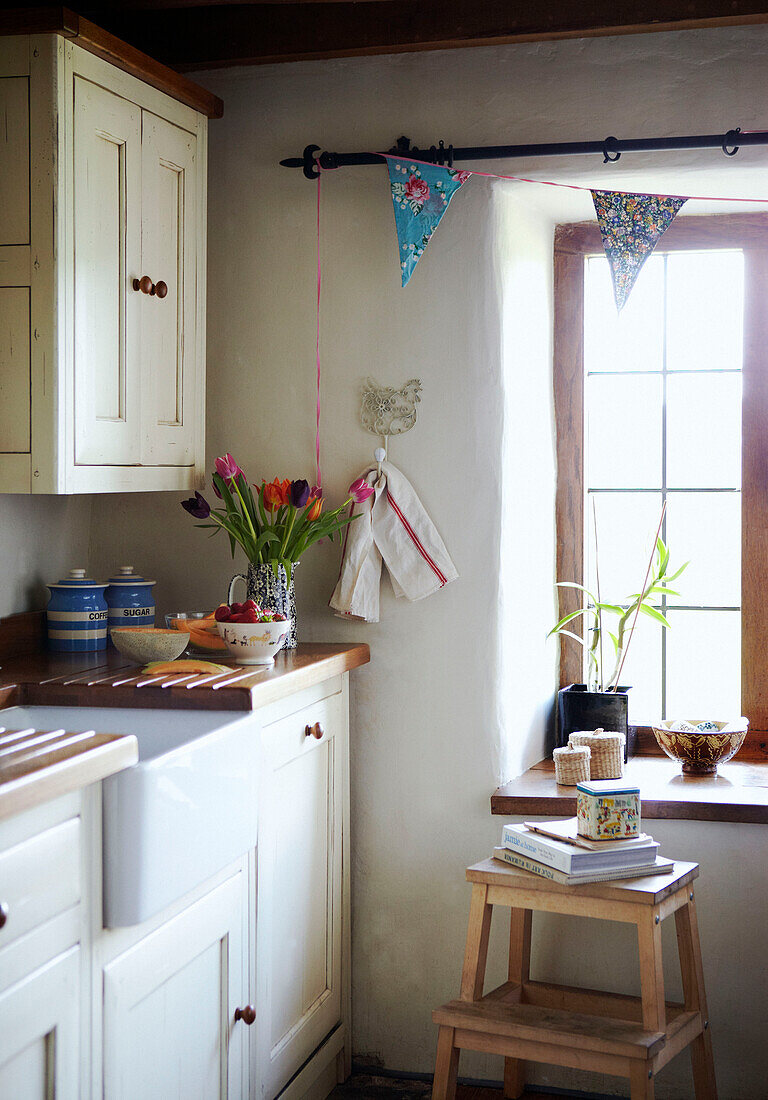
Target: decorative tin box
[77, 614]
[130, 599]
[608, 809]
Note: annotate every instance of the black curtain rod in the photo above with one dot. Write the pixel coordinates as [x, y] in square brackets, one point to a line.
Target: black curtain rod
[610, 148]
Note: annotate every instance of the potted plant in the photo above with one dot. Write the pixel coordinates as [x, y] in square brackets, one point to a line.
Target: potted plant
[274, 525]
[603, 700]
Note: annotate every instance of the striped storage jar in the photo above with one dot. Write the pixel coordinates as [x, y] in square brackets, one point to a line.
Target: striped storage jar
[130, 600]
[77, 614]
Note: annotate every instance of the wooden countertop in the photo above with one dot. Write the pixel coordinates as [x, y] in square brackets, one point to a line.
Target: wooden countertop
[105, 679]
[738, 793]
[37, 765]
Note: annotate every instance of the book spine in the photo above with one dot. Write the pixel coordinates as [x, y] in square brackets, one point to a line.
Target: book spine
[534, 848]
[517, 859]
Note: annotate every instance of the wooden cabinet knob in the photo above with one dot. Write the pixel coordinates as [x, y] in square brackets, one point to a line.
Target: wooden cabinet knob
[314, 731]
[247, 1014]
[3, 914]
[144, 284]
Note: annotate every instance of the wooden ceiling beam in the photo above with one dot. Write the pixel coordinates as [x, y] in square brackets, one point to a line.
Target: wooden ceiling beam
[214, 34]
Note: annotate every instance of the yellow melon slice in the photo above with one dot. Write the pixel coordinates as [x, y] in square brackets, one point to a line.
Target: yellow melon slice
[203, 633]
[170, 668]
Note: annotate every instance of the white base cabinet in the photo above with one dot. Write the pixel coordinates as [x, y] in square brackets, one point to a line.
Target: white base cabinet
[240, 990]
[300, 911]
[169, 1006]
[40, 1033]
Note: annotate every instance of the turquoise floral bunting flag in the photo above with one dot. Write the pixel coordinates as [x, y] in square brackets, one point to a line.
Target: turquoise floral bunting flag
[420, 196]
[631, 226]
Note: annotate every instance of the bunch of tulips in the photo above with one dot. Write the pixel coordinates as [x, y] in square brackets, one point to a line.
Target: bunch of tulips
[273, 522]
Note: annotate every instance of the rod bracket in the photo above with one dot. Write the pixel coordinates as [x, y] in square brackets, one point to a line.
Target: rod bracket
[311, 171]
[731, 139]
[611, 146]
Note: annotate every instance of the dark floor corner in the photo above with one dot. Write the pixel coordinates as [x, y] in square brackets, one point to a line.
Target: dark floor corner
[367, 1087]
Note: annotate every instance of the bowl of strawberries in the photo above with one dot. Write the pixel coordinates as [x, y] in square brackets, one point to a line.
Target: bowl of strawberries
[252, 634]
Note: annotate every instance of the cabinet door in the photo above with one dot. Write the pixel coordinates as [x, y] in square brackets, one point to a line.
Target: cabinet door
[168, 348]
[107, 254]
[169, 1005]
[39, 1033]
[299, 907]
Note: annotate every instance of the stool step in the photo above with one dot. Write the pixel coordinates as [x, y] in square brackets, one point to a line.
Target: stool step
[622, 1038]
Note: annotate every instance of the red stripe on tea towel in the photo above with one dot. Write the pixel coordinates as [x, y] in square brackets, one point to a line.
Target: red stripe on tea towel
[416, 540]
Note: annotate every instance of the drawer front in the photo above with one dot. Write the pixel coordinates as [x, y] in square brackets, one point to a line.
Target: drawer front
[39, 878]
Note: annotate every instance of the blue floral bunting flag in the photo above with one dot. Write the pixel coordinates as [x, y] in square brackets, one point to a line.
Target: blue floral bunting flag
[420, 196]
[631, 226]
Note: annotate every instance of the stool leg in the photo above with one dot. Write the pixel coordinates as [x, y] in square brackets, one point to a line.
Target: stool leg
[689, 948]
[446, 1066]
[651, 971]
[640, 1084]
[476, 951]
[519, 971]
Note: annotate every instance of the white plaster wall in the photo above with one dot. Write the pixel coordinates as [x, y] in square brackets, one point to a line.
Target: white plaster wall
[448, 675]
[41, 539]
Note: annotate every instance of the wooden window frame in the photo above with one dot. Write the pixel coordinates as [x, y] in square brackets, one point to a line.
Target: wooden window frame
[748, 232]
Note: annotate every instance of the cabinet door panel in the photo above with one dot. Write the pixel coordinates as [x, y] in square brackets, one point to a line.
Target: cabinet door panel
[299, 911]
[169, 1003]
[39, 1033]
[107, 253]
[168, 324]
[15, 387]
[14, 160]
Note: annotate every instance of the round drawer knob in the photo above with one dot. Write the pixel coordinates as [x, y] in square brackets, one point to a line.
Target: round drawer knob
[247, 1014]
[161, 289]
[144, 284]
[3, 914]
[314, 731]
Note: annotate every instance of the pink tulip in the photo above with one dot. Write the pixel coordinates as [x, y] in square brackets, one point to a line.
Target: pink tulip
[360, 490]
[227, 468]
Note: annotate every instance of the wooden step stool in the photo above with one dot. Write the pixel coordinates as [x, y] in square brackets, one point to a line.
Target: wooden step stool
[610, 1033]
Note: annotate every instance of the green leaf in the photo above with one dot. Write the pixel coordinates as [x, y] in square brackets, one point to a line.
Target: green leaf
[652, 613]
[612, 607]
[675, 575]
[581, 588]
[569, 618]
[575, 637]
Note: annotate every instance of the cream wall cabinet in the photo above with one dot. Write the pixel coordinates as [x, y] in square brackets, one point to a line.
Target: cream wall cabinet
[101, 375]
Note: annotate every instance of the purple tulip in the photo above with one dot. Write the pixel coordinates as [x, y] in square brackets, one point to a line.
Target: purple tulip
[299, 493]
[216, 489]
[227, 468]
[197, 506]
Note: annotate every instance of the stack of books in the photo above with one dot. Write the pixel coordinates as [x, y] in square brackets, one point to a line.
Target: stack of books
[554, 850]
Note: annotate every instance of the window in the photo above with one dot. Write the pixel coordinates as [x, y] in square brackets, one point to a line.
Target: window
[669, 401]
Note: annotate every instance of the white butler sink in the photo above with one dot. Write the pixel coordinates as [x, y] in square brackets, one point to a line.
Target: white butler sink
[183, 812]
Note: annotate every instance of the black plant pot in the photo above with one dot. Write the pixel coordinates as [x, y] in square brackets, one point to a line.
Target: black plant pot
[579, 709]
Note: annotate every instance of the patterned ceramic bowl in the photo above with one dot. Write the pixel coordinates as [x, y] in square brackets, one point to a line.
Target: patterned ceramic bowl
[254, 643]
[701, 744]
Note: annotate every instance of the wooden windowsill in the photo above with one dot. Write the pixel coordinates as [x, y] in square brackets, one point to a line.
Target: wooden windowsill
[738, 793]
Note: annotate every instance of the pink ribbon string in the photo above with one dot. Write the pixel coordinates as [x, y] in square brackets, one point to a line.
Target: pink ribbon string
[317, 337]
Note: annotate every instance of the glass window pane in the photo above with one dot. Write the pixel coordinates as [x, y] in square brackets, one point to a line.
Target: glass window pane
[626, 524]
[632, 339]
[642, 670]
[624, 431]
[704, 431]
[705, 304]
[704, 664]
[705, 529]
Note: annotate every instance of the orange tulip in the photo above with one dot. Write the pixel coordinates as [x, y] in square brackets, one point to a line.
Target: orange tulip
[276, 493]
[314, 511]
